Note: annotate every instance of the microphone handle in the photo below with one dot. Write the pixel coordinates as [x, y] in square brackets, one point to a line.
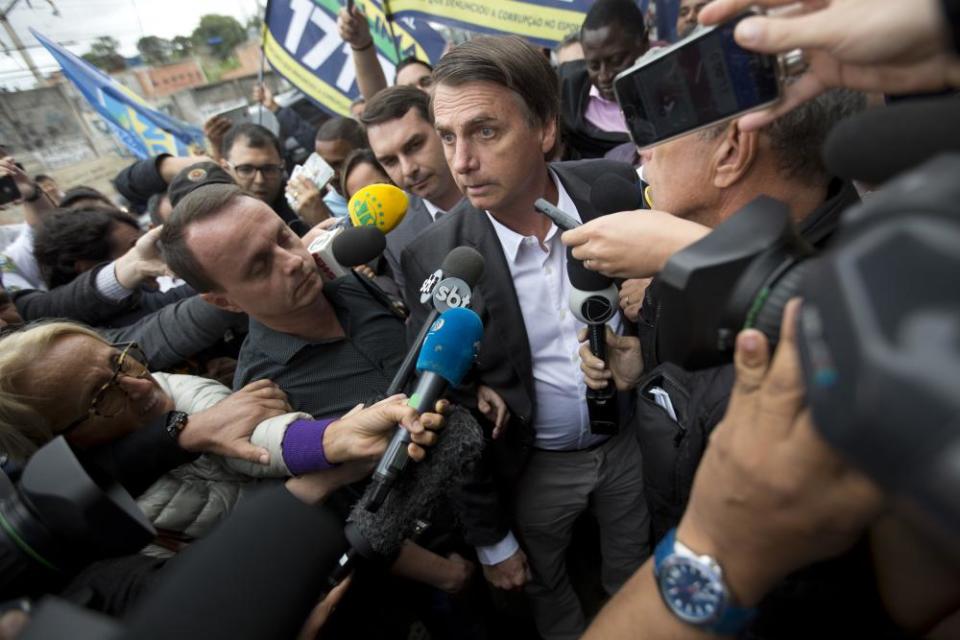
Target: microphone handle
[394, 460]
[395, 307]
[402, 376]
[601, 403]
[598, 339]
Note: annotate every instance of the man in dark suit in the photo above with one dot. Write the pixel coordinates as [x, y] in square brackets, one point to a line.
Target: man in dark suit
[495, 108]
[402, 137]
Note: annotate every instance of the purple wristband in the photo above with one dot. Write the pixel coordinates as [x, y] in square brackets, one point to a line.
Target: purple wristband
[303, 446]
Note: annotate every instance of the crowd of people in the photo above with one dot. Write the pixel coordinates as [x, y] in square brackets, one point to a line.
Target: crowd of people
[183, 337]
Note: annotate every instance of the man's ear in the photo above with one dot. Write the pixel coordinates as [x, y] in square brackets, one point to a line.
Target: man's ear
[734, 156]
[220, 301]
[549, 140]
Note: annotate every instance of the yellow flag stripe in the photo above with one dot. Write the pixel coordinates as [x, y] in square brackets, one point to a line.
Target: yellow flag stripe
[303, 78]
[519, 18]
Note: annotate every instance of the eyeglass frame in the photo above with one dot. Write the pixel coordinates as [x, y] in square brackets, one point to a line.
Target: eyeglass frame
[127, 347]
[279, 168]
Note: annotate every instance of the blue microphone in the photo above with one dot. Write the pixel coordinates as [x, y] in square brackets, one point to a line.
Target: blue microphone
[448, 352]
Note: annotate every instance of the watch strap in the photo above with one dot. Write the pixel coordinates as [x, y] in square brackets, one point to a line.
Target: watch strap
[36, 194]
[176, 421]
[732, 620]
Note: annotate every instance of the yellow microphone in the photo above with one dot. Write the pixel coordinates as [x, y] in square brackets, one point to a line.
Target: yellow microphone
[378, 205]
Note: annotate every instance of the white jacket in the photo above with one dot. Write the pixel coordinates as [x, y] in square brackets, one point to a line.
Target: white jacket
[194, 497]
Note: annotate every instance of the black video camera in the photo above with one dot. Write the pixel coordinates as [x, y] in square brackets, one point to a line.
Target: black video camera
[879, 331]
[58, 516]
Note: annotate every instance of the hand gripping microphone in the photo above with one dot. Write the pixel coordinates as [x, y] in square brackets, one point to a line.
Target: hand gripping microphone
[448, 287]
[377, 536]
[594, 301]
[378, 205]
[449, 351]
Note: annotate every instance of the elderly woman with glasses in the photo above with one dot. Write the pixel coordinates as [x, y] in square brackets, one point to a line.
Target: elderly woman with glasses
[64, 379]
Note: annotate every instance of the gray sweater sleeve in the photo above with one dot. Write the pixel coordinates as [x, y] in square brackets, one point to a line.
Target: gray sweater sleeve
[178, 331]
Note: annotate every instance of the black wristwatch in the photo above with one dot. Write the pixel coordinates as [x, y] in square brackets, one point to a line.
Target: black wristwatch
[176, 421]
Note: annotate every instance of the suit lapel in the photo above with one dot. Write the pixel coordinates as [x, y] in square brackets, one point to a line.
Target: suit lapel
[578, 189]
[496, 294]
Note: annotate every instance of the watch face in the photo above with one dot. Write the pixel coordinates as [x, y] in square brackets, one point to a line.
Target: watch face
[693, 592]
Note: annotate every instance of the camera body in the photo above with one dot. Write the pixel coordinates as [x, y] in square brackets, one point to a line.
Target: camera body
[879, 330]
[58, 516]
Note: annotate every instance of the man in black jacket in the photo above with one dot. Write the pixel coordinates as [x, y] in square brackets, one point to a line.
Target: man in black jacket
[613, 36]
[495, 107]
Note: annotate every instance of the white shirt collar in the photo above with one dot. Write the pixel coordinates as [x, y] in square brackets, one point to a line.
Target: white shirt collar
[511, 241]
[432, 209]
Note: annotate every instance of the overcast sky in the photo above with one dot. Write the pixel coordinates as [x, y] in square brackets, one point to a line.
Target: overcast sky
[82, 21]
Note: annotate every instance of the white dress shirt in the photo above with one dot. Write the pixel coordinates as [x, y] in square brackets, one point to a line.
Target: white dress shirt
[539, 273]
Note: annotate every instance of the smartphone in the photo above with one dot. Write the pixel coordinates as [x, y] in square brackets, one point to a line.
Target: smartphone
[700, 81]
[8, 190]
[564, 221]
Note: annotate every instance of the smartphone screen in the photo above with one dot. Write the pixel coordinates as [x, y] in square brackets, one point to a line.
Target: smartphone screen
[703, 80]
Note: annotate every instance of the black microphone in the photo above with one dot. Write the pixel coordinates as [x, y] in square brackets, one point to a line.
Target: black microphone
[877, 144]
[354, 246]
[612, 193]
[376, 536]
[358, 245]
[449, 351]
[594, 301]
[449, 286]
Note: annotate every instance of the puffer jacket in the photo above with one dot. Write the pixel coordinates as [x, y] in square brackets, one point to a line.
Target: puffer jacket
[193, 497]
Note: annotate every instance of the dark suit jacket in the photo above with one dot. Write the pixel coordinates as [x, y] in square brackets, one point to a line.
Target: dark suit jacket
[414, 222]
[504, 363]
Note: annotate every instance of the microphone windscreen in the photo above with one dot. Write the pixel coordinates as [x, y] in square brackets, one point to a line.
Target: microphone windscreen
[416, 493]
[358, 245]
[584, 279]
[612, 193]
[877, 144]
[450, 348]
[378, 205]
[465, 263]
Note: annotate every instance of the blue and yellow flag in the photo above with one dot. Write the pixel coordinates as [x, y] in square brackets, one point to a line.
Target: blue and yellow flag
[302, 44]
[142, 129]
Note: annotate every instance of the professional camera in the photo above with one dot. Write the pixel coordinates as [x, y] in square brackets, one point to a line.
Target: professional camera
[879, 330]
[58, 516]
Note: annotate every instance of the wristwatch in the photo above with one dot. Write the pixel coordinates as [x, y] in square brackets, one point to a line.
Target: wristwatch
[176, 421]
[693, 588]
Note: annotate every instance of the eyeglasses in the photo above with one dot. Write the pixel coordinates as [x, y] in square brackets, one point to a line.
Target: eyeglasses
[266, 170]
[110, 399]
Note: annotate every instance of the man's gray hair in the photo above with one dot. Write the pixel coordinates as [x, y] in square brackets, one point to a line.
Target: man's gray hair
[797, 137]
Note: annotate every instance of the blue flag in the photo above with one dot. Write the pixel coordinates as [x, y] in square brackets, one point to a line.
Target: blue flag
[301, 43]
[142, 129]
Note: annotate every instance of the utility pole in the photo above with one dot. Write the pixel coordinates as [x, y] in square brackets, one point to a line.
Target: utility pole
[15, 39]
